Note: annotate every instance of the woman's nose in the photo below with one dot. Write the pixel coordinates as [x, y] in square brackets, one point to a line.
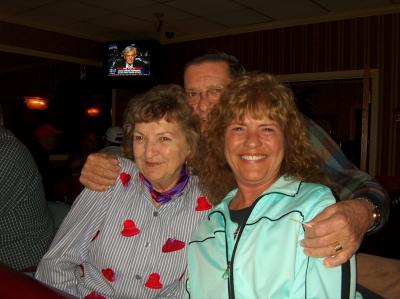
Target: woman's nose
[252, 139]
[150, 149]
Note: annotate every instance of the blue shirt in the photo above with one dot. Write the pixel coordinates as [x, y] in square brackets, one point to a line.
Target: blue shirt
[265, 260]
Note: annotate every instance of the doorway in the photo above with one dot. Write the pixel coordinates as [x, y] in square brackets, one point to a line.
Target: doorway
[338, 102]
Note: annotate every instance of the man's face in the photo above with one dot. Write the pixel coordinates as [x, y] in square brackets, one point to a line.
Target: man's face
[204, 84]
[130, 56]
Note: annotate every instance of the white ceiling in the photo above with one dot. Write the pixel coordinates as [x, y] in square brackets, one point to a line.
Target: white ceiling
[103, 20]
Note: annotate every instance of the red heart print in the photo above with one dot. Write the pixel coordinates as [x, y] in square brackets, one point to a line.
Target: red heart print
[82, 270]
[129, 229]
[154, 281]
[108, 274]
[203, 204]
[94, 295]
[95, 236]
[173, 245]
[125, 178]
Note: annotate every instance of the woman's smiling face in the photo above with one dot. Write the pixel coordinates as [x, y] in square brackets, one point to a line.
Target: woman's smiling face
[160, 149]
[254, 149]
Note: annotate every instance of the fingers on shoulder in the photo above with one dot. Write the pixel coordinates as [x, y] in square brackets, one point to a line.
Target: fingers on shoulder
[338, 259]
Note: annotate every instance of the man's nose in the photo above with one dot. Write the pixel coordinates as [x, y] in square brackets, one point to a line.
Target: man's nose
[204, 102]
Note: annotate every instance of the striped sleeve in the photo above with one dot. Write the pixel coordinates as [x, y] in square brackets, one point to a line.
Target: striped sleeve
[351, 181]
[60, 266]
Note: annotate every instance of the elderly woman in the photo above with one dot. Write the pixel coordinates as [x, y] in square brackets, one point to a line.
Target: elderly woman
[130, 242]
[249, 245]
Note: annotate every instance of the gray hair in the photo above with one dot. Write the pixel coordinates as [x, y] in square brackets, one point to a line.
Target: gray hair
[128, 49]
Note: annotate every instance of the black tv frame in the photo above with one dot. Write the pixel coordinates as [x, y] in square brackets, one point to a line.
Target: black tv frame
[153, 49]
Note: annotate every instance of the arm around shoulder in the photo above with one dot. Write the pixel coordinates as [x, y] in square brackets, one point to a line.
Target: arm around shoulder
[100, 171]
[351, 182]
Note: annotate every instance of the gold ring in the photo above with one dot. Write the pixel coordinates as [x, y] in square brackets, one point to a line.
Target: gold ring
[337, 247]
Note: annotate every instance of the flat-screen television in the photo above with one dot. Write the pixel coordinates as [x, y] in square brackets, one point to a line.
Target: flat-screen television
[136, 59]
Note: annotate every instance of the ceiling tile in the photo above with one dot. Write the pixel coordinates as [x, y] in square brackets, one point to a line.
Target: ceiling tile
[123, 6]
[75, 10]
[239, 18]
[90, 29]
[205, 7]
[343, 5]
[43, 20]
[279, 9]
[194, 26]
[19, 6]
[59, 13]
[104, 19]
[148, 12]
[122, 22]
[101, 33]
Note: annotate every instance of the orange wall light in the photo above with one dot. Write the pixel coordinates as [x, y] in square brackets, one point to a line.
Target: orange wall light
[36, 103]
[93, 111]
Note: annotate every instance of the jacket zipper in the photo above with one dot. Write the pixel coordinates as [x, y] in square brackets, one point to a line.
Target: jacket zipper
[238, 234]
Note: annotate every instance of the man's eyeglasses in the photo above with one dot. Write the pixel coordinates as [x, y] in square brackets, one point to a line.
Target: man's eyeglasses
[211, 93]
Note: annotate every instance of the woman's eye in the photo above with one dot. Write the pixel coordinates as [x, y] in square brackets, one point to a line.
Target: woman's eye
[269, 129]
[137, 138]
[237, 129]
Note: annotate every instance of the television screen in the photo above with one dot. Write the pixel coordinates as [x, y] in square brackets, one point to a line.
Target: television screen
[131, 58]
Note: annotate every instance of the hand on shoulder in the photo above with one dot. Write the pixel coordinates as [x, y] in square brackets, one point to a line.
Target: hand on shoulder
[99, 171]
[337, 232]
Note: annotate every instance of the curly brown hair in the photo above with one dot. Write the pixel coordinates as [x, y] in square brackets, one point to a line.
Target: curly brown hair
[162, 101]
[259, 95]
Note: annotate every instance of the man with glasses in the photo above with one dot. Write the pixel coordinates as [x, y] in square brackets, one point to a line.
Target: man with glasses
[337, 232]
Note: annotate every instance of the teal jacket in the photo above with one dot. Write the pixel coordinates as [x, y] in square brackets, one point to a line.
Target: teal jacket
[265, 259]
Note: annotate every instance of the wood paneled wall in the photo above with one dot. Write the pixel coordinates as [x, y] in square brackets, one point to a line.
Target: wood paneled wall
[331, 46]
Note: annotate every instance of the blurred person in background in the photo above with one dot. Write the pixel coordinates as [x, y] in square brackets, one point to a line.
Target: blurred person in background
[113, 139]
[45, 139]
[26, 224]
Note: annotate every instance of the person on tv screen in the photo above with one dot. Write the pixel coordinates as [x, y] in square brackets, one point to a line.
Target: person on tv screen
[130, 61]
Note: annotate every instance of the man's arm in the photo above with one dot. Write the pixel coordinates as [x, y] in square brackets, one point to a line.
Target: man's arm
[100, 171]
[347, 221]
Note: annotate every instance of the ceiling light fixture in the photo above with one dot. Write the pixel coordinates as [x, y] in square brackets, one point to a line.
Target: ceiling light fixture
[93, 112]
[36, 103]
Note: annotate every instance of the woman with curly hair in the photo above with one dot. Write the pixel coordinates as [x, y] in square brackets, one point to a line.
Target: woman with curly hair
[249, 247]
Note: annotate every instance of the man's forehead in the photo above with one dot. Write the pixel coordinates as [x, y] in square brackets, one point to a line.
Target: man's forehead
[205, 81]
[207, 74]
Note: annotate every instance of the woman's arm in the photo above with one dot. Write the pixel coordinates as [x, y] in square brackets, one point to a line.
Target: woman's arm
[60, 266]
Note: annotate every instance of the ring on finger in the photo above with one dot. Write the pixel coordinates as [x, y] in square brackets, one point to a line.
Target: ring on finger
[337, 247]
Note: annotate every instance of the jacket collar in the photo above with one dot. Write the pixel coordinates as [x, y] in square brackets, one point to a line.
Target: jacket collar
[283, 185]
